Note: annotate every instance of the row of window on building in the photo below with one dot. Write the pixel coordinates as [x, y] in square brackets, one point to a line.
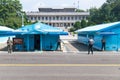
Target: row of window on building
[49, 18]
[61, 24]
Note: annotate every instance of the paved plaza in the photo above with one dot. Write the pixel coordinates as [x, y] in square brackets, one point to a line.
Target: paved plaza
[59, 66]
[72, 64]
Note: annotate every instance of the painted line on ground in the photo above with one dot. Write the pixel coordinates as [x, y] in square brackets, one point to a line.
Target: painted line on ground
[59, 65]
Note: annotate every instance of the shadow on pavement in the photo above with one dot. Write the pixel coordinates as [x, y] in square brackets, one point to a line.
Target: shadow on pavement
[80, 46]
[3, 49]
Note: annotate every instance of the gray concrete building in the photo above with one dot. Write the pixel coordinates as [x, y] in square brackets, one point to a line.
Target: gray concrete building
[65, 17]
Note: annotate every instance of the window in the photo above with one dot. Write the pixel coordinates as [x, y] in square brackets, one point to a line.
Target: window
[53, 17]
[72, 18]
[35, 18]
[49, 18]
[38, 18]
[46, 18]
[57, 17]
[42, 18]
[64, 18]
[68, 18]
[75, 17]
[61, 18]
[31, 18]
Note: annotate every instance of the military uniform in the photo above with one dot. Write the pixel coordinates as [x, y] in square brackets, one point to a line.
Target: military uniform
[9, 45]
[90, 46]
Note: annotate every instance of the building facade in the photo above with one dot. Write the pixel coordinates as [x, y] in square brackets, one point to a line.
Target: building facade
[65, 17]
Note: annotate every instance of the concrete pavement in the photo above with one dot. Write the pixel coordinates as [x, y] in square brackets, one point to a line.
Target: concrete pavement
[66, 52]
[59, 66]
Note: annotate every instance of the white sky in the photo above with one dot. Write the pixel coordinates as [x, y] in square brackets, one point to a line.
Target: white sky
[33, 5]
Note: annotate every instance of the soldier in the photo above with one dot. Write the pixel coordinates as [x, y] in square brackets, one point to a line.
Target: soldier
[59, 44]
[103, 44]
[9, 45]
[90, 45]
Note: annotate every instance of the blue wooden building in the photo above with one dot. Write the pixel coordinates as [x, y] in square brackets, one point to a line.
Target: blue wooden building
[110, 31]
[37, 36]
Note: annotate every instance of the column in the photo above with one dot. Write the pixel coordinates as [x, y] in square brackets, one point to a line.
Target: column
[28, 43]
[41, 42]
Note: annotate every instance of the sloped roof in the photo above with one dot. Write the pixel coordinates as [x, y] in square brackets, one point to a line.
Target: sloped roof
[40, 28]
[5, 31]
[37, 28]
[4, 28]
[98, 27]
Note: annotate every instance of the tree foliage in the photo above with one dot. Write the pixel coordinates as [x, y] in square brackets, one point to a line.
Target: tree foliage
[83, 23]
[78, 25]
[8, 13]
[79, 10]
[108, 12]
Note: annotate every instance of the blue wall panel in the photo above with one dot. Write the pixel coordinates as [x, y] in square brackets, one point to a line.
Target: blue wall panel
[112, 42]
[50, 42]
[111, 33]
[31, 42]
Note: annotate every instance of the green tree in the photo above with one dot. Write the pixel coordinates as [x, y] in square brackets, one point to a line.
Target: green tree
[116, 10]
[8, 13]
[72, 29]
[77, 25]
[108, 12]
[83, 23]
[94, 16]
[1, 21]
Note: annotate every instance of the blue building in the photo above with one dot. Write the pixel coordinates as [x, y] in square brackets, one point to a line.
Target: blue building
[37, 36]
[109, 31]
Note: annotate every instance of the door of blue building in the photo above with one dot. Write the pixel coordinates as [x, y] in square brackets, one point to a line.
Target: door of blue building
[37, 41]
[112, 42]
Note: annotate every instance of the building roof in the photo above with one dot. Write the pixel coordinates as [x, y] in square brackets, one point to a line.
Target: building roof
[100, 27]
[45, 9]
[37, 28]
[5, 31]
[40, 28]
[4, 28]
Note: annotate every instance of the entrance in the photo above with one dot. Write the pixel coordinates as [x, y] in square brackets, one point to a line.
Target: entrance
[37, 41]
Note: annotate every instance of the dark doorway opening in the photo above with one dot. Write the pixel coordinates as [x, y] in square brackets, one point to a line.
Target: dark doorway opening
[37, 42]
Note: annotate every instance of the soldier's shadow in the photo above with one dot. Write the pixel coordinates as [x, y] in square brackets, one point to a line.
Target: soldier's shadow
[81, 46]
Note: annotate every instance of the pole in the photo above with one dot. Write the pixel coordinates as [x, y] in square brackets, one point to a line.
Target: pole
[22, 15]
[22, 19]
[78, 4]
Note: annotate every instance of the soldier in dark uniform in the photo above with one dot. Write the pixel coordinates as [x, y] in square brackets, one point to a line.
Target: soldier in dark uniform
[103, 44]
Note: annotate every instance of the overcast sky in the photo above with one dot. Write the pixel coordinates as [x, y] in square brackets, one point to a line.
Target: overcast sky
[33, 5]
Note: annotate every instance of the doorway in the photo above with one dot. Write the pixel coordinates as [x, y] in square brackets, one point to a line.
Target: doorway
[37, 41]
